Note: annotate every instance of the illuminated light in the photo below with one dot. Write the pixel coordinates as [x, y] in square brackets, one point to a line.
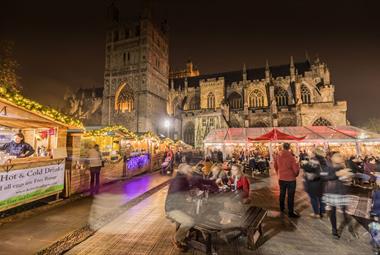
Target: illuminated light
[138, 162]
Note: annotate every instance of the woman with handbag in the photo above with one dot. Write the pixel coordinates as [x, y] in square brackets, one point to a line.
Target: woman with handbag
[95, 163]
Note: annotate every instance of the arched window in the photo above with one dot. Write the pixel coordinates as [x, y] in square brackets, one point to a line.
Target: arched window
[235, 100]
[305, 94]
[210, 101]
[176, 106]
[194, 103]
[256, 99]
[281, 96]
[189, 134]
[321, 122]
[124, 99]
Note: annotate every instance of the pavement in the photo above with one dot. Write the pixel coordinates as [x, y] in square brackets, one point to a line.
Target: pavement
[144, 229]
[39, 231]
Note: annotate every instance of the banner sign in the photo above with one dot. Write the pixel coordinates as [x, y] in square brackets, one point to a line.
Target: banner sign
[21, 185]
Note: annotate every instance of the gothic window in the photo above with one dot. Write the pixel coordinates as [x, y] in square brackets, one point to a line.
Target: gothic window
[124, 58]
[235, 101]
[211, 101]
[321, 122]
[194, 103]
[305, 94]
[176, 106]
[281, 96]
[256, 99]
[189, 133]
[124, 99]
[204, 122]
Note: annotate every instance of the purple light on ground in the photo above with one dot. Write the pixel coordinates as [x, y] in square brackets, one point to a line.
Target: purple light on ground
[137, 187]
[138, 162]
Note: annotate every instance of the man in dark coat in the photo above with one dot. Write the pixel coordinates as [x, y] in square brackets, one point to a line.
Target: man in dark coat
[287, 170]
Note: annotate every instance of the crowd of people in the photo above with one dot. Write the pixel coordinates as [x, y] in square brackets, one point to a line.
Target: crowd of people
[326, 175]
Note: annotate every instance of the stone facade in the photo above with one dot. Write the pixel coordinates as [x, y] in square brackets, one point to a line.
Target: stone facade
[136, 75]
[296, 94]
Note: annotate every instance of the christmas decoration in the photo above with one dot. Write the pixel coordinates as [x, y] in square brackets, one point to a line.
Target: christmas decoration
[30, 105]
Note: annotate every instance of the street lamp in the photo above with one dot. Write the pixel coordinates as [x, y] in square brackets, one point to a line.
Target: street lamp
[167, 125]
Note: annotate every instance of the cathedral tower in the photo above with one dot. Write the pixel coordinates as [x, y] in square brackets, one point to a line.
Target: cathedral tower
[136, 73]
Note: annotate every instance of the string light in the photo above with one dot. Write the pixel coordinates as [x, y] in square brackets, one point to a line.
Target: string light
[30, 105]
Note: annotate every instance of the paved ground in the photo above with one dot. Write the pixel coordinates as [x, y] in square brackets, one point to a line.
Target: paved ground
[27, 236]
[143, 229]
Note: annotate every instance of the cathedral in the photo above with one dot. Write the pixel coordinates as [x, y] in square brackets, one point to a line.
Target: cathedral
[140, 93]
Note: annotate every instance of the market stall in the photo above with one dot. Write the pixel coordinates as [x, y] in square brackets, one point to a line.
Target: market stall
[32, 150]
[349, 140]
[116, 153]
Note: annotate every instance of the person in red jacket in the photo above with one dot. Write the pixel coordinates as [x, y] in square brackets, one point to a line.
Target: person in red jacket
[240, 182]
[287, 169]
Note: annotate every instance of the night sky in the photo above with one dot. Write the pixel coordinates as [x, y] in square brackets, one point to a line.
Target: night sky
[60, 44]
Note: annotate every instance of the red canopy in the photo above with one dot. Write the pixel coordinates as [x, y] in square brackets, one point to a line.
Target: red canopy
[275, 135]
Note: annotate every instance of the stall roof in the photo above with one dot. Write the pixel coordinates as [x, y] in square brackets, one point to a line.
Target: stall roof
[311, 134]
[23, 115]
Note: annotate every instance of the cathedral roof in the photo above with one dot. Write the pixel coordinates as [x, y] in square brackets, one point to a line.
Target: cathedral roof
[236, 76]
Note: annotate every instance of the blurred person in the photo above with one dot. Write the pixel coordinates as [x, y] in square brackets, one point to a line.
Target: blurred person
[95, 160]
[18, 147]
[220, 156]
[178, 206]
[335, 192]
[287, 170]
[312, 180]
[218, 175]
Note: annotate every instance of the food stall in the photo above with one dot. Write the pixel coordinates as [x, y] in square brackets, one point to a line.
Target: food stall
[147, 145]
[349, 140]
[42, 174]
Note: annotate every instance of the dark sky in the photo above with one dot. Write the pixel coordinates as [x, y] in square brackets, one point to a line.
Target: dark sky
[60, 44]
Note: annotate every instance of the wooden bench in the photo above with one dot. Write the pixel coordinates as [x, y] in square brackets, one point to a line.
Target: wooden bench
[203, 234]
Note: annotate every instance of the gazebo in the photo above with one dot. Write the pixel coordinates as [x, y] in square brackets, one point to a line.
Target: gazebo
[347, 139]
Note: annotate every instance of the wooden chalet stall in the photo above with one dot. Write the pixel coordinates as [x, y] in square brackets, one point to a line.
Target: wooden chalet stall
[44, 173]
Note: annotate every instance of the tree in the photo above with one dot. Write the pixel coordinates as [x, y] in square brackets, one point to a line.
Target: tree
[8, 66]
[373, 124]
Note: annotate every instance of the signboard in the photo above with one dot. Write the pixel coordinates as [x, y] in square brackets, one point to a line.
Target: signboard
[20, 186]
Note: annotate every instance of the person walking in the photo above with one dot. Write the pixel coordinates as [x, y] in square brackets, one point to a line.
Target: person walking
[335, 193]
[95, 163]
[312, 181]
[287, 170]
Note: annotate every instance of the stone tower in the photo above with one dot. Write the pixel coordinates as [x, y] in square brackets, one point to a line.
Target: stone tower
[136, 73]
